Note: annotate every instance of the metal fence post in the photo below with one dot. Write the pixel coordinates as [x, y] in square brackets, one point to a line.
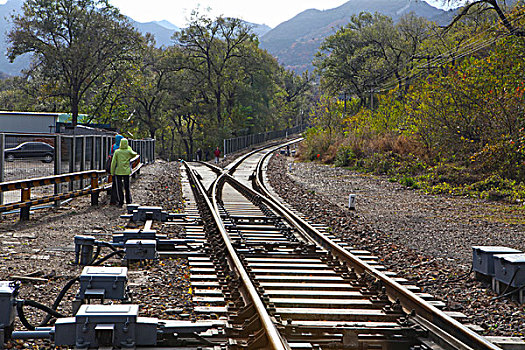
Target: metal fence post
[100, 164]
[2, 164]
[93, 151]
[72, 159]
[83, 158]
[58, 163]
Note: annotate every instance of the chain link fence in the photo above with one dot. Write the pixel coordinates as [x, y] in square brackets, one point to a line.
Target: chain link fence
[242, 142]
[25, 156]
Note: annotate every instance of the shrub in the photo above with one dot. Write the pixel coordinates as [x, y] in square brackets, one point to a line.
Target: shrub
[317, 141]
[505, 158]
[345, 156]
[407, 181]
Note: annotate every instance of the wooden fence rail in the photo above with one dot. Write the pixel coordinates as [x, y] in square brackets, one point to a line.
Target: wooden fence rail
[26, 185]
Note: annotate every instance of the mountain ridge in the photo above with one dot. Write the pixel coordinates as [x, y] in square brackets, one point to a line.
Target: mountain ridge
[295, 42]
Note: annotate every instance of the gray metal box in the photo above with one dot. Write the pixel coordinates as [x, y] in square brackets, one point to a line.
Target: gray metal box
[7, 304]
[123, 236]
[149, 213]
[110, 280]
[140, 249]
[510, 269]
[97, 326]
[483, 258]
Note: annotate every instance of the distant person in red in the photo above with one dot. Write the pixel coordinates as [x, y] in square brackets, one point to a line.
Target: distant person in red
[217, 153]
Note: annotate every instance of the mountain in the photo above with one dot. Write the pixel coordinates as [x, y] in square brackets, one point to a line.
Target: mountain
[259, 29]
[161, 33]
[168, 25]
[161, 30]
[295, 42]
[6, 10]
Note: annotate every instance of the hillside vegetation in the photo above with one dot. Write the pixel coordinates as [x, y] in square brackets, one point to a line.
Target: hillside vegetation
[438, 110]
[296, 41]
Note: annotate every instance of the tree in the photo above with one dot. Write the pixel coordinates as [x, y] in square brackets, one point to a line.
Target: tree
[149, 90]
[215, 48]
[484, 5]
[73, 42]
[369, 52]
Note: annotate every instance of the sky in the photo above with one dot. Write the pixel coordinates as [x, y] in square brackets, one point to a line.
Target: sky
[269, 12]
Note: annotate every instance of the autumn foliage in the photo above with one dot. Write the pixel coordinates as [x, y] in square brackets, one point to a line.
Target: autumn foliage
[447, 129]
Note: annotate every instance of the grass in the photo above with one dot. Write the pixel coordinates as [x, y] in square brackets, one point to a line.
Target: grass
[505, 214]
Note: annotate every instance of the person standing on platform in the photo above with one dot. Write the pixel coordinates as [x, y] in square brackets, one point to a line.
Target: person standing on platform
[217, 153]
[121, 169]
[199, 154]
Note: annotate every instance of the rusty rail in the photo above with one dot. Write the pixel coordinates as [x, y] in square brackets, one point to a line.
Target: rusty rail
[461, 336]
[273, 339]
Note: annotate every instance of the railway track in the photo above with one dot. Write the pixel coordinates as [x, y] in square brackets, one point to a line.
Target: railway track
[260, 277]
[287, 284]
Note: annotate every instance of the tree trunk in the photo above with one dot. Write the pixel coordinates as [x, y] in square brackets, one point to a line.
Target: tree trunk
[74, 110]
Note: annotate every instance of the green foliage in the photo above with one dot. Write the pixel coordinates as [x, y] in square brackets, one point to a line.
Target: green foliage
[213, 83]
[345, 157]
[317, 142]
[74, 44]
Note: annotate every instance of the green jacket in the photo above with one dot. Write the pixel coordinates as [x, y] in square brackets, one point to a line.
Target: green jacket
[120, 161]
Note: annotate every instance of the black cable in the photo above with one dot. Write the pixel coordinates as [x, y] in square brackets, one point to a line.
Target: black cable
[109, 245]
[109, 256]
[509, 293]
[58, 299]
[504, 293]
[97, 253]
[20, 311]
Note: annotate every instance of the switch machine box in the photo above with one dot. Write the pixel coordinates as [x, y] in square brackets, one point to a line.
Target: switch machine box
[483, 258]
[105, 282]
[96, 326]
[510, 269]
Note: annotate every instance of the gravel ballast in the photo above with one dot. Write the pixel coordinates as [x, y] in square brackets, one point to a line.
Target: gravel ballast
[424, 238]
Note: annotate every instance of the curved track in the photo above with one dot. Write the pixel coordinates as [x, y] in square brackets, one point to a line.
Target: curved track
[296, 286]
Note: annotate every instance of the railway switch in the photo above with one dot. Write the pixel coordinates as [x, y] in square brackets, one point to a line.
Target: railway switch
[483, 258]
[96, 326]
[137, 249]
[98, 282]
[143, 213]
[119, 326]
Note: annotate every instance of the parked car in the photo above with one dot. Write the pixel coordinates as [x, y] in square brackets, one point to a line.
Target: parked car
[31, 150]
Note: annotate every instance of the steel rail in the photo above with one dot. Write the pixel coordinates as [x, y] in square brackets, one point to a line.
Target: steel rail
[467, 338]
[235, 164]
[274, 338]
